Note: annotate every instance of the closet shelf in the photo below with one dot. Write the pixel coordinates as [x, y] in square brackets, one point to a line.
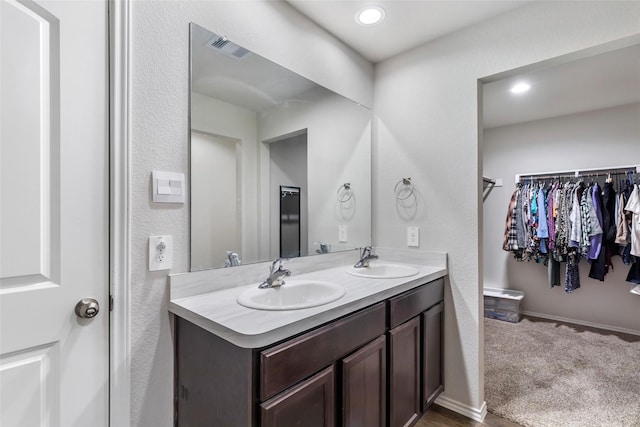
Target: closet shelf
[617, 170]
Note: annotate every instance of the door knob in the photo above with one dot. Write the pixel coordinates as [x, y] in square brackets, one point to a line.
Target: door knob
[87, 308]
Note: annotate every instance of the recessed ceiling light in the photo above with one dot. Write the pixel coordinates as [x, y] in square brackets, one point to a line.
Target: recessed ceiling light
[519, 88]
[370, 15]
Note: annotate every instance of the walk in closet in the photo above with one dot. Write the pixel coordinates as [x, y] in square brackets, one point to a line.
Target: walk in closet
[595, 139]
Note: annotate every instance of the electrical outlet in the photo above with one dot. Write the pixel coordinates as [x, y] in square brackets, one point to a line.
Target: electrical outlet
[342, 233]
[160, 253]
[413, 237]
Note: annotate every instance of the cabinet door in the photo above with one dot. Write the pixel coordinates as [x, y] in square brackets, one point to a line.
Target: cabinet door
[432, 321]
[310, 403]
[404, 374]
[364, 386]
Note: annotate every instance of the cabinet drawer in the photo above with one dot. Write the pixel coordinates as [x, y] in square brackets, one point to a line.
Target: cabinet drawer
[413, 302]
[310, 404]
[287, 363]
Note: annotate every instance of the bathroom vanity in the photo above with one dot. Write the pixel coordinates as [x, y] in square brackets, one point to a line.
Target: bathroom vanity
[372, 358]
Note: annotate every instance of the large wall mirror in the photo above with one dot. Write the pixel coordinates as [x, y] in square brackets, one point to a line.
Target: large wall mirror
[279, 166]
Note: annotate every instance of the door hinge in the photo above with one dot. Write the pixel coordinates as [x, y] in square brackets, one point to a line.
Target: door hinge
[110, 303]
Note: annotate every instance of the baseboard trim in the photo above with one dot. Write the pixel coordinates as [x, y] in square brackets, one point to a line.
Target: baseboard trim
[580, 322]
[476, 414]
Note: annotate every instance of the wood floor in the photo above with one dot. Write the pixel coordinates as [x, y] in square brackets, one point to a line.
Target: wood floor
[437, 416]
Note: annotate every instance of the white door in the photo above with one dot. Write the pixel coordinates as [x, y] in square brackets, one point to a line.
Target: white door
[214, 229]
[53, 213]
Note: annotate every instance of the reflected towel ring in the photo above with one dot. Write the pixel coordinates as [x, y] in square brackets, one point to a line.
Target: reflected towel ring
[404, 185]
[345, 192]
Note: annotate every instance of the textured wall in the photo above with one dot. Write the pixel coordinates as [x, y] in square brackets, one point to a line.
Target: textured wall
[596, 139]
[159, 131]
[426, 103]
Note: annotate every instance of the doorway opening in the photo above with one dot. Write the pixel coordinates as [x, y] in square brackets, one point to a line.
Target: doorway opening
[288, 173]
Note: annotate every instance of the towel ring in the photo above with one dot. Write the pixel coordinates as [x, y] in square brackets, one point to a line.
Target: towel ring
[344, 193]
[403, 185]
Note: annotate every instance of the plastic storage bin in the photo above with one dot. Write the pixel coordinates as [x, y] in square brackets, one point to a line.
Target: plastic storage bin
[502, 304]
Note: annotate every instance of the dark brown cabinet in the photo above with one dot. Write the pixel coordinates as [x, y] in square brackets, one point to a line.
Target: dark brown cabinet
[432, 322]
[364, 386]
[415, 348]
[310, 404]
[284, 364]
[404, 374]
[379, 366]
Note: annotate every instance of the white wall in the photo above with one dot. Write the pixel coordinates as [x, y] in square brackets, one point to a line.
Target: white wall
[159, 130]
[596, 139]
[426, 102]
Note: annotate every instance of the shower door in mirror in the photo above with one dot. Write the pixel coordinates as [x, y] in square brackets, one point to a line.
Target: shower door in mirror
[289, 222]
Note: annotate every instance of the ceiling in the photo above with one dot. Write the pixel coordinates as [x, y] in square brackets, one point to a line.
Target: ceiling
[602, 81]
[249, 81]
[408, 23]
[594, 83]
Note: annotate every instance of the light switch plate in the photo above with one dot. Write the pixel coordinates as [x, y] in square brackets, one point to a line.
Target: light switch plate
[160, 253]
[413, 237]
[342, 233]
[168, 187]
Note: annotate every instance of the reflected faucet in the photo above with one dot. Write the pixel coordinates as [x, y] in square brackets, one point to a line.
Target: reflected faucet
[365, 256]
[325, 248]
[275, 278]
[232, 259]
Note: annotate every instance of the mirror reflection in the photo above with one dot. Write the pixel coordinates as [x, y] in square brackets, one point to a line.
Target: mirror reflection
[279, 166]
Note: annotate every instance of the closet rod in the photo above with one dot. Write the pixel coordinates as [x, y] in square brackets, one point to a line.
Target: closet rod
[578, 172]
[488, 180]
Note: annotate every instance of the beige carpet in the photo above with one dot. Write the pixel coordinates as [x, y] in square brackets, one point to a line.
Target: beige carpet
[542, 373]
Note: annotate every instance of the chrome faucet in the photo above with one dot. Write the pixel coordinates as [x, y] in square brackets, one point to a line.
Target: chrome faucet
[276, 275]
[365, 256]
[232, 259]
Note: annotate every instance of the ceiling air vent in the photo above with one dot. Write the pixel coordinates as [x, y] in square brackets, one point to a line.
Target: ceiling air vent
[220, 42]
[227, 47]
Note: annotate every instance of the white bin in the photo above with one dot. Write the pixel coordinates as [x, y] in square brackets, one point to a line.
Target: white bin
[502, 304]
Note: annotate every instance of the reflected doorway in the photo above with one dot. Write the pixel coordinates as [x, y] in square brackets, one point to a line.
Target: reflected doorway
[289, 213]
[215, 201]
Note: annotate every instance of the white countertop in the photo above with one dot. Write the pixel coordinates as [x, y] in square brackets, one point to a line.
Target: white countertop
[219, 313]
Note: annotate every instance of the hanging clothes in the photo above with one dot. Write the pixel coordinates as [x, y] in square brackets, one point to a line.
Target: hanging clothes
[622, 232]
[633, 206]
[564, 222]
[609, 223]
[594, 202]
[551, 216]
[542, 227]
[597, 252]
[510, 241]
[572, 276]
[520, 229]
[575, 217]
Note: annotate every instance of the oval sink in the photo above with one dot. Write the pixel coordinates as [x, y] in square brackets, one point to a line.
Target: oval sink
[382, 270]
[293, 295]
